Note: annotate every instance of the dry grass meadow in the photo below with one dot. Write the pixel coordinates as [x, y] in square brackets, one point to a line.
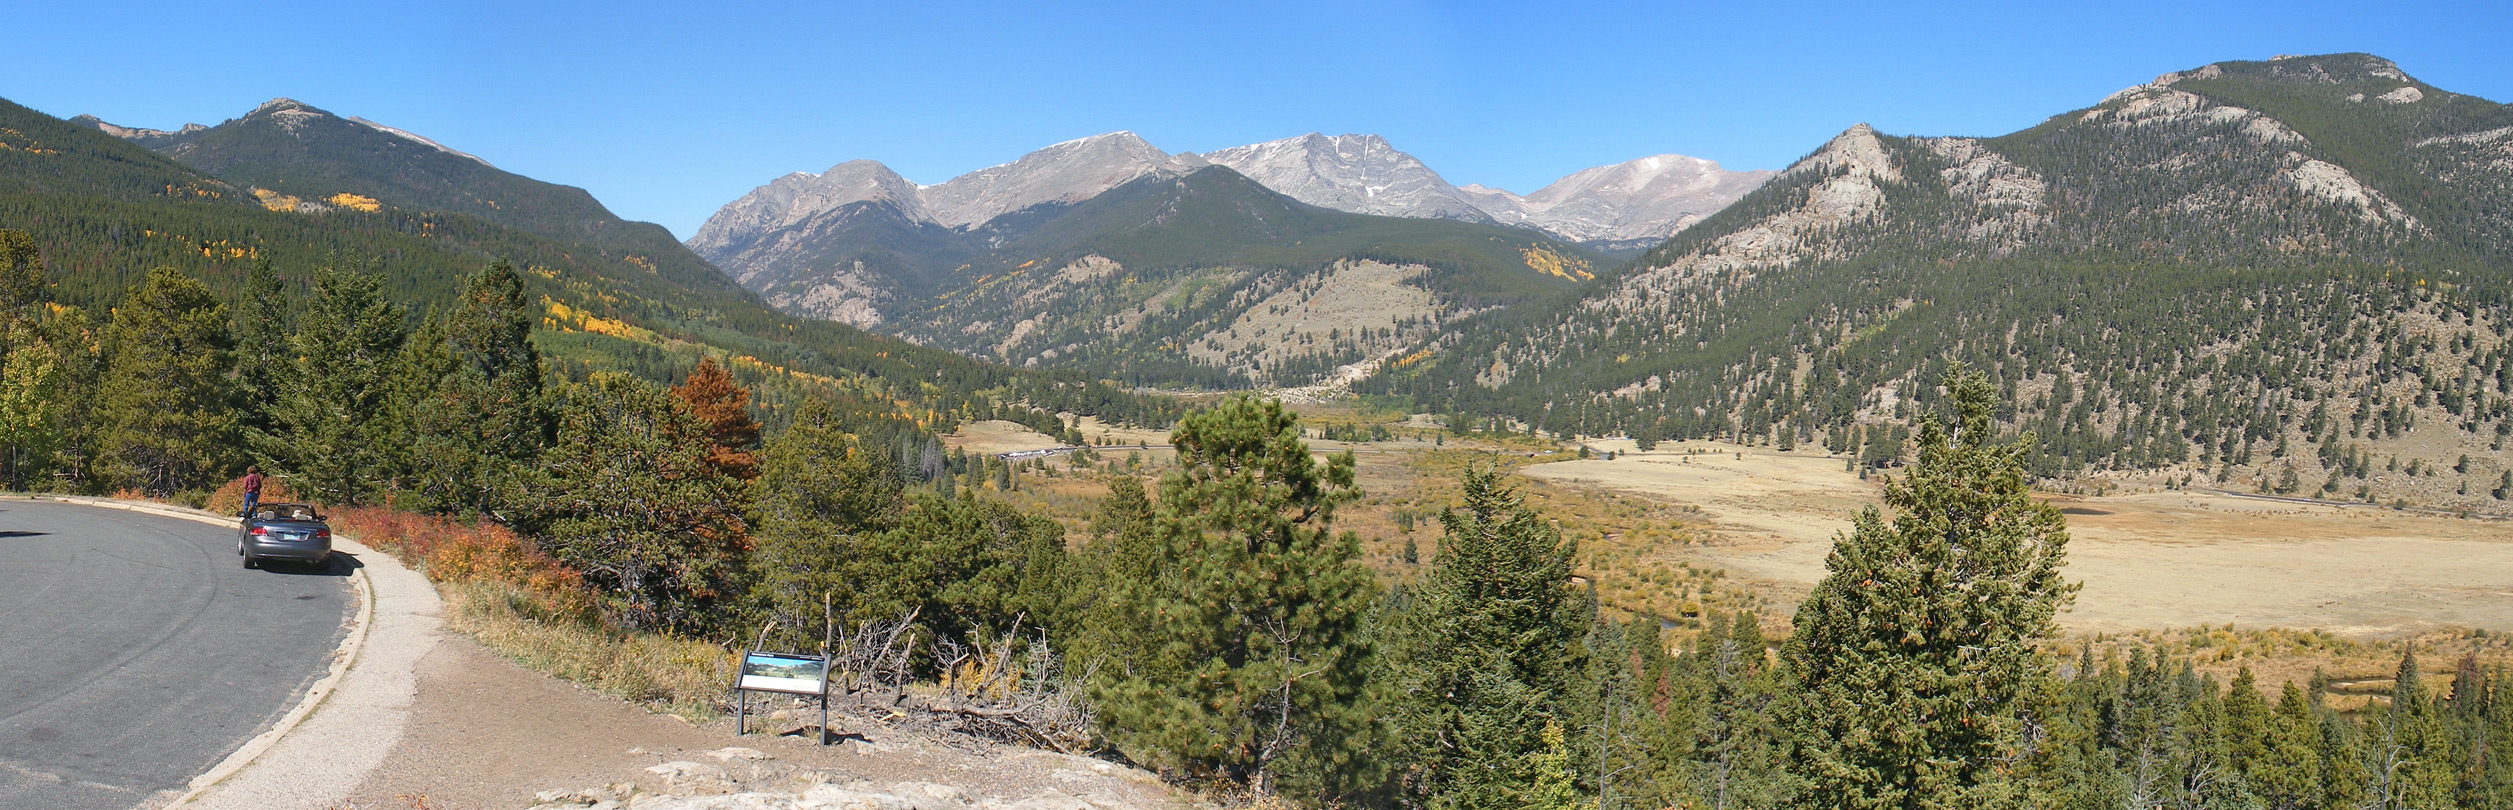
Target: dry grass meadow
[2226, 581]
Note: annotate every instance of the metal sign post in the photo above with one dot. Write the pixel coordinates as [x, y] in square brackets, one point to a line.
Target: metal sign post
[782, 673]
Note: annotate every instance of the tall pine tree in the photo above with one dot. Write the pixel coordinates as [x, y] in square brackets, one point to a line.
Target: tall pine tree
[1487, 653]
[724, 405]
[263, 352]
[819, 501]
[1912, 659]
[1256, 620]
[167, 427]
[473, 396]
[333, 435]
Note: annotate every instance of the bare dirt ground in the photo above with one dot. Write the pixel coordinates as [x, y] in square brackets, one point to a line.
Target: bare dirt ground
[2149, 561]
[486, 733]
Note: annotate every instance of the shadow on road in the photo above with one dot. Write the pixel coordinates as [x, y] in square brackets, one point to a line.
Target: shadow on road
[340, 564]
[24, 534]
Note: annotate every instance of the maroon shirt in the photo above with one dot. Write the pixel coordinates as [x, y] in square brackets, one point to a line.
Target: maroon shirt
[253, 485]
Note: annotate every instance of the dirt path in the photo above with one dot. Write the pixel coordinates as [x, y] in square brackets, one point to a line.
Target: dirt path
[2155, 560]
[488, 734]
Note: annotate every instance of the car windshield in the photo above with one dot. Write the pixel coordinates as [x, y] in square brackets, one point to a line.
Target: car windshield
[285, 512]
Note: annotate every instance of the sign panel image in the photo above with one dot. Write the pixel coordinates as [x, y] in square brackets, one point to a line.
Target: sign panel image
[774, 672]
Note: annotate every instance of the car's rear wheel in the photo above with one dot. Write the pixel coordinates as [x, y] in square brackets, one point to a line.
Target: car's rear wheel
[249, 562]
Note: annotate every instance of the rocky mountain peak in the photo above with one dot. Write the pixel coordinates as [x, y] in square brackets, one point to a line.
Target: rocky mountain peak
[1067, 172]
[1636, 201]
[796, 197]
[142, 134]
[1357, 173]
[1856, 150]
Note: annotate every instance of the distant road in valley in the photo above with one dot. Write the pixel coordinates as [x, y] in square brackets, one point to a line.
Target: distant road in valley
[136, 652]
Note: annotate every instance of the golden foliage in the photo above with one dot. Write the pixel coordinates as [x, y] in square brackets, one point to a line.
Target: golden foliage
[1544, 259]
[356, 202]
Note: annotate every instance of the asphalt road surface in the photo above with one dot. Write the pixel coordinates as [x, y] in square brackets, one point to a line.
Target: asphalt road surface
[136, 651]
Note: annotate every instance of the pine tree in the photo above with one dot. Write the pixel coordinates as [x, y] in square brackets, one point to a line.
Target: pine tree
[472, 391]
[262, 349]
[724, 405]
[626, 496]
[22, 279]
[1912, 659]
[333, 436]
[1486, 652]
[819, 501]
[166, 425]
[1260, 608]
[1122, 555]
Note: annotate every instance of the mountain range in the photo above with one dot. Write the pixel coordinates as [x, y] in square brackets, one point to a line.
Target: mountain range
[2263, 271]
[805, 242]
[300, 187]
[1625, 206]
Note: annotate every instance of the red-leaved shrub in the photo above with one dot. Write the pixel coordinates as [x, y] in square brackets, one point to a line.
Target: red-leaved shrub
[477, 551]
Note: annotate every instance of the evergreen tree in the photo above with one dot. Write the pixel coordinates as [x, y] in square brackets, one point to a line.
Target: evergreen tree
[22, 282]
[333, 436]
[166, 426]
[1260, 608]
[626, 496]
[819, 501]
[1487, 653]
[1912, 659]
[263, 363]
[472, 391]
[966, 565]
[1122, 555]
[1737, 761]
[724, 406]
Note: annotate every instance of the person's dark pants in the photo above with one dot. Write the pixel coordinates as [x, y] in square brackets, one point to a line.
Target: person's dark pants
[251, 499]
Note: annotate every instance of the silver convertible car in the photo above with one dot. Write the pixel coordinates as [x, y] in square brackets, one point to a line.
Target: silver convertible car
[284, 531]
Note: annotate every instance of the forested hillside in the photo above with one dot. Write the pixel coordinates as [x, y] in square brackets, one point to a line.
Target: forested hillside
[607, 294]
[2288, 275]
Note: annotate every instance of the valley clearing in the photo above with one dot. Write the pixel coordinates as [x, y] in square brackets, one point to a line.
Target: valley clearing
[2150, 561]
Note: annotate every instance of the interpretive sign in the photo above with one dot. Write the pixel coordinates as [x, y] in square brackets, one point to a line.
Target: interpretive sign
[778, 672]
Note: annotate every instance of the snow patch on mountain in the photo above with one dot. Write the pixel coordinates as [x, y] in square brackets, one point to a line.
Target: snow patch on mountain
[421, 140]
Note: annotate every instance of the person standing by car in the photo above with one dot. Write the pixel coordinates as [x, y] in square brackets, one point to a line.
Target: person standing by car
[252, 488]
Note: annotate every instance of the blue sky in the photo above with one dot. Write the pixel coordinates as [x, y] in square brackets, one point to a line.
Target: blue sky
[667, 111]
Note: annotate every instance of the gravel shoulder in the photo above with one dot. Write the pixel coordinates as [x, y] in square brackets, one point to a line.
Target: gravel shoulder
[488, 733]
